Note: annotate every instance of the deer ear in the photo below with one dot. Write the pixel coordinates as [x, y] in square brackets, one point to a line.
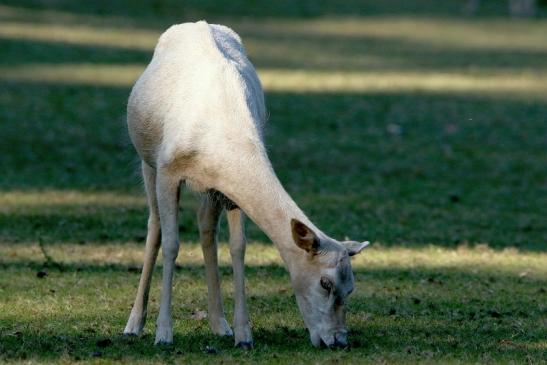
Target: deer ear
[354, 247]
[304, 237]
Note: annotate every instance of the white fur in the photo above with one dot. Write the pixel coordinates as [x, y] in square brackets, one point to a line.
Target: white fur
[196, 115]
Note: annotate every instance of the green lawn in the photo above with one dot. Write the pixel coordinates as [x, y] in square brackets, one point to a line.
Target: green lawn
[409, 124]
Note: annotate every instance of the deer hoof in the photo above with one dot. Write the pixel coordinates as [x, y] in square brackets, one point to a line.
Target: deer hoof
[245, 345]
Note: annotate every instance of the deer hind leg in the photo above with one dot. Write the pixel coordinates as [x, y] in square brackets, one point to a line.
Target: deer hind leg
[137, 318]
[167, 192]
[208, 216]
[242, 329]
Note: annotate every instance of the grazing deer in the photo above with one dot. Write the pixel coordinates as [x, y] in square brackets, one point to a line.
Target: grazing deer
[196, 116]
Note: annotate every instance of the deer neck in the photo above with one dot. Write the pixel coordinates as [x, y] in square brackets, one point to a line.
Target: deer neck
[255, 188]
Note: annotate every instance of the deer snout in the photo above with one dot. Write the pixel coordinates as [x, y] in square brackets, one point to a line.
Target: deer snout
[340, 340]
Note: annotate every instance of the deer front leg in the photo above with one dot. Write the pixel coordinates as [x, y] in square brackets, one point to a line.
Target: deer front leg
[137, 318]
[242, 329]
[167, 191]
[208, 217]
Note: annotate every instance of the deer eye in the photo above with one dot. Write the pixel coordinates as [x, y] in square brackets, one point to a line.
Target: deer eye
[326, 283]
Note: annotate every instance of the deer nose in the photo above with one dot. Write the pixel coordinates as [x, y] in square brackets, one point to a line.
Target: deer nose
[340, 339]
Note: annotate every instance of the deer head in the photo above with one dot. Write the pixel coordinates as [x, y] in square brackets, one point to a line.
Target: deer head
[323, 281]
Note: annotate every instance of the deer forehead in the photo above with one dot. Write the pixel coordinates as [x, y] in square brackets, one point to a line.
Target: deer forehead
[336, 265]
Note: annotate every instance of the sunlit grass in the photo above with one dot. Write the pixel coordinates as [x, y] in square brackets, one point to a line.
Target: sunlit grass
[80, 34]
[314, 81]
[426, 304]
[17, 200]
[83, 74]
[517, 83]
[489, 34]
[480, 258]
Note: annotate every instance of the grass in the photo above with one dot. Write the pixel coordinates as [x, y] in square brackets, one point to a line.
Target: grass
[406, 123]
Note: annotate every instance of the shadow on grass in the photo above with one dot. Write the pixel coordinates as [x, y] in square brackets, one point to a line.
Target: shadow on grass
[197, 9]
[433, 275]
[401, 168]
[421, 313]
[457, 169]
[55, 52]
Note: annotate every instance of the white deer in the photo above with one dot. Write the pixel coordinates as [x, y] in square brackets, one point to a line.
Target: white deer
[195, 116]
